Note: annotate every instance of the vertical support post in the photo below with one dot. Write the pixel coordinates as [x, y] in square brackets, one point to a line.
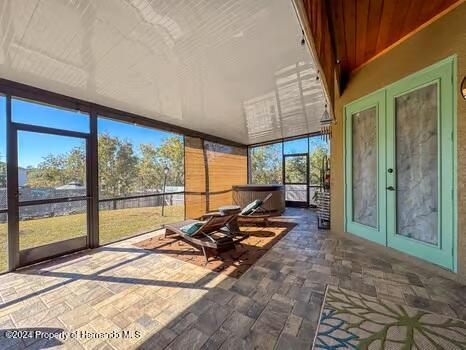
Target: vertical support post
[165, 173]
[92, 184]
[163, 195]
[206, 171]
[308, 160]
[12, 189]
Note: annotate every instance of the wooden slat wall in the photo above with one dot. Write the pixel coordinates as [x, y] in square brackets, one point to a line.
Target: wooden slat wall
[195, 179]
[210, 171]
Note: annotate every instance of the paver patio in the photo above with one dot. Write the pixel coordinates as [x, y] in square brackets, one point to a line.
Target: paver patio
[166, 303]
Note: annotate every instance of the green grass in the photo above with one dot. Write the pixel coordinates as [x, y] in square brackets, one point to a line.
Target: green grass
[113, 225]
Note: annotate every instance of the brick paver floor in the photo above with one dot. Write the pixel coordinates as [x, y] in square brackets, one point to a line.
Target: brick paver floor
[122, 297]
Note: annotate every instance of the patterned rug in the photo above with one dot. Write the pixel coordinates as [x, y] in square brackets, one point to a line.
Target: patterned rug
[233, 262]
[351, 320]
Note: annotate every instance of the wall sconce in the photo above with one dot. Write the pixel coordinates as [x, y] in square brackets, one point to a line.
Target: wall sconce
[463, 88]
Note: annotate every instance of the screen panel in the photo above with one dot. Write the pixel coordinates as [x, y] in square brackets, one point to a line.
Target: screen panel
[266, 164]
[141, 179]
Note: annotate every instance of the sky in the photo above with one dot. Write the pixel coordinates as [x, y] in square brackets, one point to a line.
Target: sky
[32, 147]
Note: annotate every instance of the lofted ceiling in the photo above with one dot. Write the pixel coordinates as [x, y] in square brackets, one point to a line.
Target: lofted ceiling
[231, 68]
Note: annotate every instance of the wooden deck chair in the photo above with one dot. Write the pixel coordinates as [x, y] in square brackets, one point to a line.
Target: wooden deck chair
[256, 210]
[205, 234]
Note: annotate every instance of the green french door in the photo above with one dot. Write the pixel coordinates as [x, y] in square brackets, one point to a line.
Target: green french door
[401, 193]
[365, 168]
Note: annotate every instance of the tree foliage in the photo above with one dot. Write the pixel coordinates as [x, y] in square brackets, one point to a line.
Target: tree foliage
[117, 166]
[315, 159]
[296, 169]
[122, 170]
[2, 173]
[266, 164]
[154, 159]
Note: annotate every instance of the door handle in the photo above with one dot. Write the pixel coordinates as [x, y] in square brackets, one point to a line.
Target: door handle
[391, 188]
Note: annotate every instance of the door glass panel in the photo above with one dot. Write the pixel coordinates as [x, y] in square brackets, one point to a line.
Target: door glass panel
[50, 166]
[48, 223]
[416, 161]
[364, 172]
[296, 169]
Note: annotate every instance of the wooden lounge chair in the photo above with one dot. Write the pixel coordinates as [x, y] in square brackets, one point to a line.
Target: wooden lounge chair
[256, 210]
[205, 234]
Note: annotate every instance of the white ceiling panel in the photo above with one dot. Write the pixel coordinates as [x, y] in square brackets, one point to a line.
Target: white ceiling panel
[230, 68]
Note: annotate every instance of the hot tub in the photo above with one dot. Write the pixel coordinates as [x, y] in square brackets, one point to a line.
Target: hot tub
[245, 194]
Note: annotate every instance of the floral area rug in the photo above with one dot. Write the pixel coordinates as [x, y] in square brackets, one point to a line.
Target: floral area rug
[350, 320]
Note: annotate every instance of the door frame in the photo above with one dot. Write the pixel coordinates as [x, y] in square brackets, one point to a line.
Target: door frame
[449, 65]
[297, 204]
[17, 257]
[375, 234]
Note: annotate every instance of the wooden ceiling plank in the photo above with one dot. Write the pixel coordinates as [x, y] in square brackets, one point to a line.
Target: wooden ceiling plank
[362, 19]
[412, 13]
[426, 11]
[398, 21]
[375, 13]
[385, 30]
[410, 34]
[349, 12]
[339, 30]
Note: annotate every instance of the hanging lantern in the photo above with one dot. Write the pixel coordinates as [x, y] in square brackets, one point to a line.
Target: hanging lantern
[326, 125]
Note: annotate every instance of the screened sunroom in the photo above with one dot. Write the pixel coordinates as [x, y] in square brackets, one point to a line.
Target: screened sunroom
[261, 174]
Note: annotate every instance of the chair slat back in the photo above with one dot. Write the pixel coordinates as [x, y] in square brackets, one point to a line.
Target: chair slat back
[215, 223]
[267, 198]
[260, 208]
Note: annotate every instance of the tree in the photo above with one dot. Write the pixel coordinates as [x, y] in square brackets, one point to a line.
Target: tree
[57, 170]
[117, 166]
[266, 165]
[49, 173]
[75, 166]
[121, 171]
[154, 159]
[315, 159]
[149, 171]
[2, 173]
[296, 169]
[171, 155]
